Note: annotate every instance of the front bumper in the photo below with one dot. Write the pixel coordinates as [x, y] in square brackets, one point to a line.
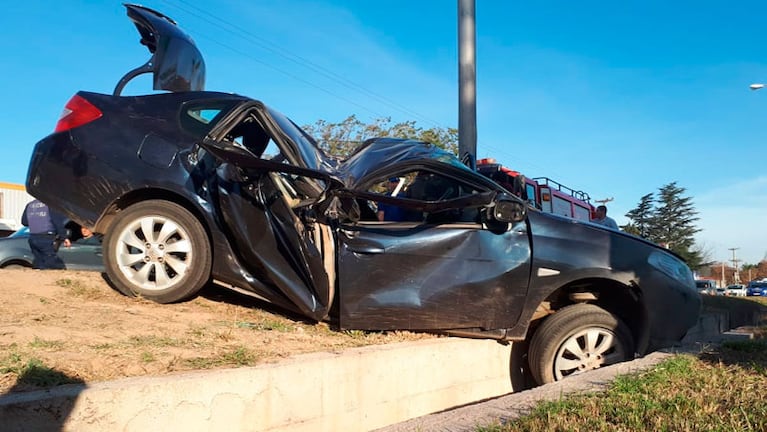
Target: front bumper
[672, 310]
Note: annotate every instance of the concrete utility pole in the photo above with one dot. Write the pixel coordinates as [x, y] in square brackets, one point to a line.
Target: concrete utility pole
[736, 276]
[724, 282]
[467, 83]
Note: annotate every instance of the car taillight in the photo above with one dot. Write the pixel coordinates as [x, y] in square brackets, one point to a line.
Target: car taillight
[77, 112]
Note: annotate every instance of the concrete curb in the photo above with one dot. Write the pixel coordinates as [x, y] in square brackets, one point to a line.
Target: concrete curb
[711, 329]
[359, 389]
[504, 408]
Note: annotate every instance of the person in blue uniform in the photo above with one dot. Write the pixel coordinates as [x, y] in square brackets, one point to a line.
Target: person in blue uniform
[390, 212]
[46, 231]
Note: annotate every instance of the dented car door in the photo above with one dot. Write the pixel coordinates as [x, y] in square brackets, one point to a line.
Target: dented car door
[265, 192]
[445, 266]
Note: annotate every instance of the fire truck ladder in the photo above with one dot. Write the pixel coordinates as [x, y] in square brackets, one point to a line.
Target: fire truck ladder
[580, 195]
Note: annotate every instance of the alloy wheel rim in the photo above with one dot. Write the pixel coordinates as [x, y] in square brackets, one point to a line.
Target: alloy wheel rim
[587, 349]
[154, 253]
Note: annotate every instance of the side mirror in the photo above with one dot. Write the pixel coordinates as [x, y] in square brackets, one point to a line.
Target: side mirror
[509, 210]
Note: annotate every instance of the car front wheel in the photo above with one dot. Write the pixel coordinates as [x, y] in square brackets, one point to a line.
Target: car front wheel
[576, 339]
[157, 250]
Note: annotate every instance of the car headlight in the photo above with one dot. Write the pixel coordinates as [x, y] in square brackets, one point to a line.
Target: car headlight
[672, 267]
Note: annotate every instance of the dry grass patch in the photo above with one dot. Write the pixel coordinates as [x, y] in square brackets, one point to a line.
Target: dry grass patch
[76, 324]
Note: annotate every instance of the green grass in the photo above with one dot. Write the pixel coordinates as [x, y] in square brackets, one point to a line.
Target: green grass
[32, 371]
[77, 288]
[355, 334]
[153, 341]
[680, 394]
[238, 356]
[103, 346]
[11, 363]
[46, 344]
[721, 390]
[274, 325]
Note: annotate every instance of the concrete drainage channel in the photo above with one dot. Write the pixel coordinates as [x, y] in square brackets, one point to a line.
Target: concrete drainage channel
[389, 387]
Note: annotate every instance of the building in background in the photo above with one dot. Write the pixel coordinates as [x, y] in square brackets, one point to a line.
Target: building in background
[13, 199]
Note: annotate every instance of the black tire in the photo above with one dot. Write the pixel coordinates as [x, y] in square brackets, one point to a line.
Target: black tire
[560, 346]
[157, 250]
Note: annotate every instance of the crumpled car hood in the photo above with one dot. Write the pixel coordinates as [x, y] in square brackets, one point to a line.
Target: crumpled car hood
[380, 154]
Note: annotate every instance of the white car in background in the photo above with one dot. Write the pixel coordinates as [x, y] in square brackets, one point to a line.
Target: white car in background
[735, 290]
[706, 286]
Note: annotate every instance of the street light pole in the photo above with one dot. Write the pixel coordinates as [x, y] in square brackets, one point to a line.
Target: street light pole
[467, 84]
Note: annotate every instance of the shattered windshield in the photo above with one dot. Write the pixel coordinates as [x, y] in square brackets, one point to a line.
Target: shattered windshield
[449, 158]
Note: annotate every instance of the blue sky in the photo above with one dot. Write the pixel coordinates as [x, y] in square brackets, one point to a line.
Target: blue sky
[614, 98]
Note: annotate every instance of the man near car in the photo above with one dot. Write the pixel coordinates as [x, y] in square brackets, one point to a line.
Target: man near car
[604, 220]
[88, 237]
[46, 231]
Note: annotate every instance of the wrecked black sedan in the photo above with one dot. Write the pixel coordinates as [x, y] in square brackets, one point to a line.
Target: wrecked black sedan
[190, 186]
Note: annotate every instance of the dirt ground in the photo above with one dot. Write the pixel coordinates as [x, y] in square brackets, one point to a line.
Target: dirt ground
[67, 326]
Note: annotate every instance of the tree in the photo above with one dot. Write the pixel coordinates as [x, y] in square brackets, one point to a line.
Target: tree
[669, 220]
[339, 139]
[749, 272]
[641, 217]
[704, 252]
[761, 270]
[673, 222]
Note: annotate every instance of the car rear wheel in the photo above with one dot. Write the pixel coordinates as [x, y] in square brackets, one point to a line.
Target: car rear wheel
[576, 339]
[157, 250]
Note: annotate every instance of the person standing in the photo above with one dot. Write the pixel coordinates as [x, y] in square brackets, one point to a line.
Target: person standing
[604, 220]
[46, 230]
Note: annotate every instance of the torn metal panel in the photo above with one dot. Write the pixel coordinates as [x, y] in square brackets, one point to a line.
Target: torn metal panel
[432, 277]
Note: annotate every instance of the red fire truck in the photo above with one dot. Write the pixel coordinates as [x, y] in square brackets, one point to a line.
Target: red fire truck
[542, 193]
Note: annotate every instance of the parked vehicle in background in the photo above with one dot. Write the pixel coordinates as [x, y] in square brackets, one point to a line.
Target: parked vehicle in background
[194, 185]
[757, 288]
[7, 227]
[706, 286]
[735, 290]
[15, 252]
